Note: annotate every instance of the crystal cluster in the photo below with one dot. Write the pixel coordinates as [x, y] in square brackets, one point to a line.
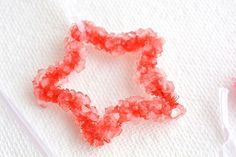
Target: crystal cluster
[97, 129]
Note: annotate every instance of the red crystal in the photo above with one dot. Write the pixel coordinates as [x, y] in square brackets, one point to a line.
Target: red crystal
[101, 129]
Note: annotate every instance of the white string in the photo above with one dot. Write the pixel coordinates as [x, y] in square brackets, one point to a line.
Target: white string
[72, 14]
[229, 146]
[26, 126]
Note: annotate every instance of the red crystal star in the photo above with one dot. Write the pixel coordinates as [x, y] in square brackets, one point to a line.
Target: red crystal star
[100, 129]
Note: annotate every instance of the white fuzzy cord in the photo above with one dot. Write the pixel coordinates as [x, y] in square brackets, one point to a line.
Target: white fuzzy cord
[26, 126]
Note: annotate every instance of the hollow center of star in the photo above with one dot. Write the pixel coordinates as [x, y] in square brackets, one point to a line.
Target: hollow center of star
[106, 78]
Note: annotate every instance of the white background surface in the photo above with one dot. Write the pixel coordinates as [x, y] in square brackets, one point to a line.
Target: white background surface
[199, 57]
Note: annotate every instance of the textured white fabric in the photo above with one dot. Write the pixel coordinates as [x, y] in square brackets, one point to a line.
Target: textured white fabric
[14, 140]
[199, 56]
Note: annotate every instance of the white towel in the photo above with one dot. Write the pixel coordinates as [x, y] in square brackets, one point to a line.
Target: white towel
[199, 56]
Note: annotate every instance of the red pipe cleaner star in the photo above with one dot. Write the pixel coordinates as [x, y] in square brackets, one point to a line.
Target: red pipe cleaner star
[99, 129]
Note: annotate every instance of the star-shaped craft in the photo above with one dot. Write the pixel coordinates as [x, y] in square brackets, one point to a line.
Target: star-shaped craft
[98, 129]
